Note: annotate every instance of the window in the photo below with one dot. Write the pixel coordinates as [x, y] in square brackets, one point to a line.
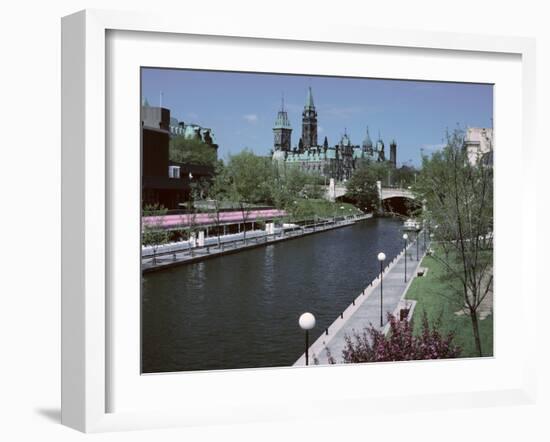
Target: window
[174, 171]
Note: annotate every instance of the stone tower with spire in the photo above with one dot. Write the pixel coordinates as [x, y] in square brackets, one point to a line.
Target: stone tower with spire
[309, 122]
[380, 148]
[367, 144]
[393, 154]
[282, 130]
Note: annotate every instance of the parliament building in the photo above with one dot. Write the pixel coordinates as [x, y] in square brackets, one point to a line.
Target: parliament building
[337, 161]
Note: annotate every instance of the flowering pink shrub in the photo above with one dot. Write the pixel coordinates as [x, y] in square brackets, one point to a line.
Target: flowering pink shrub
[400, 344]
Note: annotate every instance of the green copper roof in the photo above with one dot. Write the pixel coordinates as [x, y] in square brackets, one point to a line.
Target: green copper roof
[282, 121]
[345, 141]
[358, 153]
[309, 99]
[367, 142]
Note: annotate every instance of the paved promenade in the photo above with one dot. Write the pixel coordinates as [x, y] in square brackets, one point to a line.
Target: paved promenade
[175, 255]
[366, 310]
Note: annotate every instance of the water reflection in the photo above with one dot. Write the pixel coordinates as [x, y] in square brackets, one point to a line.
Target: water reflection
[241, 310]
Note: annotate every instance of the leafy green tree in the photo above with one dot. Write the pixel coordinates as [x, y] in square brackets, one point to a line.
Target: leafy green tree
[295, 180]
[191, 151]
[218, 193]
[362, 187]
[404, 176]
[382, 171]
[248, 179]
[459, 199]
[200, 187]
[314, 188]
[153, 233]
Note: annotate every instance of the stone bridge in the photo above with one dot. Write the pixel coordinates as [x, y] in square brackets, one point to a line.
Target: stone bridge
[396, 192]
[339, 190]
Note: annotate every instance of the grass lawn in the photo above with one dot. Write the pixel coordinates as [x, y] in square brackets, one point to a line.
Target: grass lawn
[432, 293]
[307, 208]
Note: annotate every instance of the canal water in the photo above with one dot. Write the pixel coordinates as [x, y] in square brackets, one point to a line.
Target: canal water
[241, 310]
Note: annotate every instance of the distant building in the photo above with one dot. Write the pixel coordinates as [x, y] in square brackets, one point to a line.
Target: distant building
[478, 143]
[338, 161]
[192, 131]
[164, 182]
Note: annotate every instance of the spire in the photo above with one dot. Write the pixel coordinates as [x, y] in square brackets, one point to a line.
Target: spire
[309, 99]
[282, 121]
[367, 142]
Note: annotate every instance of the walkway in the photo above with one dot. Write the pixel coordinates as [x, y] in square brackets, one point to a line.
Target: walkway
[365, 309]
[184, 254]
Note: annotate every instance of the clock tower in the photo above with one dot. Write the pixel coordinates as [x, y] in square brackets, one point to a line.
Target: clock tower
[309, 122]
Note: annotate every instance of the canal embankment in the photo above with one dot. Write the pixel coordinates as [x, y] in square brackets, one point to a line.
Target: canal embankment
[367, 309]
[173, 255]
[241, 311]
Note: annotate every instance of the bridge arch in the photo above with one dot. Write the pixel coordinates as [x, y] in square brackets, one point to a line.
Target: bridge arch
[394, 199]
[398, 200]
[400, 205]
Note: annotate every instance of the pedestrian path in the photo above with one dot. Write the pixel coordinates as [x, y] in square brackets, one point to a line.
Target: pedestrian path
[365, 309]
[175, 255]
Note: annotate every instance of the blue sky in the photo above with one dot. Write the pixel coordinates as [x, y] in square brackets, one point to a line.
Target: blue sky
[241, 107]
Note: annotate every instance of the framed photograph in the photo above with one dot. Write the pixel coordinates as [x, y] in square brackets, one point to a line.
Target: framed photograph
[265, 223]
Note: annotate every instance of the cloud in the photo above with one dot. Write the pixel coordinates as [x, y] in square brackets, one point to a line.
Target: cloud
[251, 118]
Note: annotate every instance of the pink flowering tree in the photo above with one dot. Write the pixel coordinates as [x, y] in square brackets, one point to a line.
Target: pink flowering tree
[400, 344]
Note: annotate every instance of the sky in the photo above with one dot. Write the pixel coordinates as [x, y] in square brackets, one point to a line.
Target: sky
[241, 108]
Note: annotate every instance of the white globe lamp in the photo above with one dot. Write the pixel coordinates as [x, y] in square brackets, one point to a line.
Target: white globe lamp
[307, 322]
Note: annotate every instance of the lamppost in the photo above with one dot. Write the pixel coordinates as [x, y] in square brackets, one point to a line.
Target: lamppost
[416, 239]
[307, 322]
[381, 259]
[425, 230]
[405, 237]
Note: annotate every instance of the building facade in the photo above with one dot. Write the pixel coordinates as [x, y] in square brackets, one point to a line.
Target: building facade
[337, 161]
[164, 182]
[192, 131]
[478, 143]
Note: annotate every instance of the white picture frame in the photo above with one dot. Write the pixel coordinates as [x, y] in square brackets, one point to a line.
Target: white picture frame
[87, 212]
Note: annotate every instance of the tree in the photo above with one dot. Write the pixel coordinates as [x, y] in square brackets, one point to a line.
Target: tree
[362, 187]
[248, 179]
[458, 195]
[153, 233]
[218, 193]
[380, 170]
[400, 344]
[191, 151]
[314, 188]
[200, 187]
[404, 176]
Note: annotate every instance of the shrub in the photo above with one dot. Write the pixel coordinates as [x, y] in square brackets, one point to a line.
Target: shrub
[400, 344]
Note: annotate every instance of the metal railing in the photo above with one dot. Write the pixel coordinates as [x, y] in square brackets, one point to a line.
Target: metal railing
[288, 232]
